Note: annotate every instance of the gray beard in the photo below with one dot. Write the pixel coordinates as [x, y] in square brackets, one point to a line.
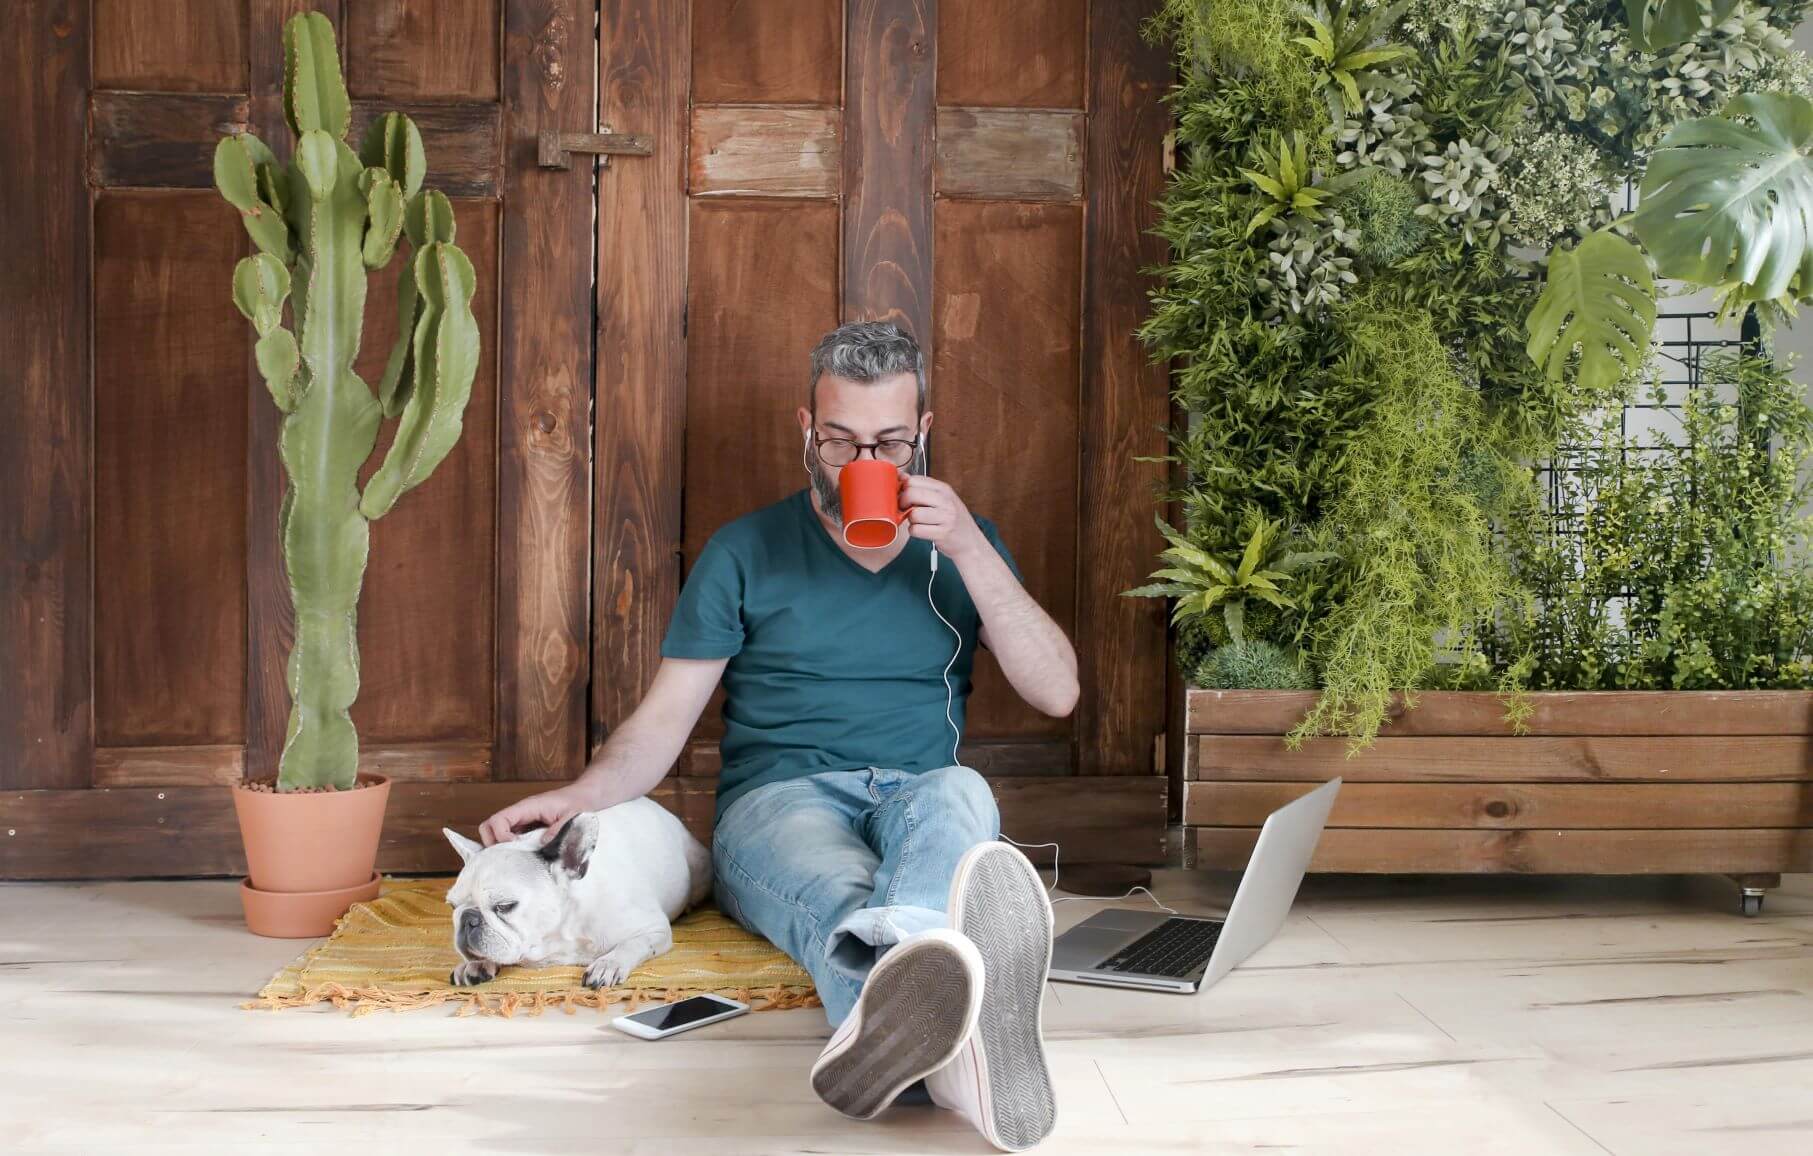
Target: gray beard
[829, 500]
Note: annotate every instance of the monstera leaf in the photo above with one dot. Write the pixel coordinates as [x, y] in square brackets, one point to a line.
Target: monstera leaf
[1659, 24]
[1728, 201]
[1600, 297]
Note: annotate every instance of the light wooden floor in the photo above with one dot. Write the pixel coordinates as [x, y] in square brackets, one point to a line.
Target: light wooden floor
[1447, 1015]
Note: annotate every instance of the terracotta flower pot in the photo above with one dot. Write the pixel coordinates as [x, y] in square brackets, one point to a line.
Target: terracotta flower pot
[300, 914]
[317, 848]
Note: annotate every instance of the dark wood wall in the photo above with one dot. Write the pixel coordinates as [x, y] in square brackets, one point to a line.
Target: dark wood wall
[983, 173]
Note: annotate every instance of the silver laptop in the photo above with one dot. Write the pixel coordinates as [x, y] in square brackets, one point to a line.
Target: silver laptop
[1124, 947]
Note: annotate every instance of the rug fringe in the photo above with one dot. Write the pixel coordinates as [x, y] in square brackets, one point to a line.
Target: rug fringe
[361, 1001]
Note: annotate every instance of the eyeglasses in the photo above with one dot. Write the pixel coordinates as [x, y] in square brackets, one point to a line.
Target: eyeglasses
[840, 452]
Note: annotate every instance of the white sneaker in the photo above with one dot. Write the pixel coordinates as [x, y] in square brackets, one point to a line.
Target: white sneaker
[1000, 1080]
[917, 1006]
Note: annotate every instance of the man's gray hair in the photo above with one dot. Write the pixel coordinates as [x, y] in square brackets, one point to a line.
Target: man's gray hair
[866, 351]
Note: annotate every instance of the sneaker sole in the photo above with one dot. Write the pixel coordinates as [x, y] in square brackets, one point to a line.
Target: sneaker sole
[1003, 909]
[915, 1016]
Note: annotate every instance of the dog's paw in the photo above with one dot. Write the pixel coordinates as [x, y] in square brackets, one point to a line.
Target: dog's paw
[609, 970]
[474, 971]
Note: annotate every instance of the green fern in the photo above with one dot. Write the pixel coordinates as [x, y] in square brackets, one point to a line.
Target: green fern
[1341, 43]
[1200, 582]
[1285, 177]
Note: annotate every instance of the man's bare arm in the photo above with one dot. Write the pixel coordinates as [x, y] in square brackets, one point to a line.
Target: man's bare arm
[640, 752]
[1034, 654]
[632, 761]
[1037, 659]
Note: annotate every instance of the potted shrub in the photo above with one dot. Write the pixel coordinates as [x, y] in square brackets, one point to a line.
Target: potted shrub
[321, 223]
[1374, 356]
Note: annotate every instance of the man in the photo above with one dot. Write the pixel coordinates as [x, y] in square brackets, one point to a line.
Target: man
[847, 832]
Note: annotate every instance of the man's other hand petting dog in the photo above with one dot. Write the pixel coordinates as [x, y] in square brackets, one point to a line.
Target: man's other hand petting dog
[602, 891]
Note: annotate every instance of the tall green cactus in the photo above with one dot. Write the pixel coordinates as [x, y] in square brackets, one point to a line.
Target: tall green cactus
[320, 223]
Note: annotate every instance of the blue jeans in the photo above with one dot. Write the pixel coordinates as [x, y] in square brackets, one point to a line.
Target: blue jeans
[837, 867]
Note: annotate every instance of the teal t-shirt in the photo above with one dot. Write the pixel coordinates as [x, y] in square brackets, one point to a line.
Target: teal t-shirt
[831, 667]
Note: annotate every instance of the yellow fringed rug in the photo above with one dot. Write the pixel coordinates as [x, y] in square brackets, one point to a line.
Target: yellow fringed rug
[396, 952]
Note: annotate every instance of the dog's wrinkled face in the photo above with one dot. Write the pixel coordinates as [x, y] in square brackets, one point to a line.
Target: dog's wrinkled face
[511, 899]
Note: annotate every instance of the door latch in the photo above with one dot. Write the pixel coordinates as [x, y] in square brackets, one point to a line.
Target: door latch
[554, 150]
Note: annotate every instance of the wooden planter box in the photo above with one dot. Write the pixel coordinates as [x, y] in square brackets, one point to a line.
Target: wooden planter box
[1605, 782]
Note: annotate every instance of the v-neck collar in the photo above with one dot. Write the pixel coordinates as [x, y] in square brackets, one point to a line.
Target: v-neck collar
[824, 536]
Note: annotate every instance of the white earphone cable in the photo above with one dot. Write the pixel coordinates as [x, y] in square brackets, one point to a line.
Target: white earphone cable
[949, 697]
[1074, 898]
[950, 693]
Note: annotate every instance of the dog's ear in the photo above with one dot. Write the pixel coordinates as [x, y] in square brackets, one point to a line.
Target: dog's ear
[466, 847]
[569, 848]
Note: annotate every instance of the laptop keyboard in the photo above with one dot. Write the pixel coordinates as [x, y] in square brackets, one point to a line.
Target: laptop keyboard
[1175, 948]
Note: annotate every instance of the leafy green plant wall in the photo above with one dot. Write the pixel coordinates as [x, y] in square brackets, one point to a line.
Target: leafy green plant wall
[1674, 560]
[1359, 225]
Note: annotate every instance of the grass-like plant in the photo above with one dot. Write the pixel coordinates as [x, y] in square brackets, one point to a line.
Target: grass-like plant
[1253, 665]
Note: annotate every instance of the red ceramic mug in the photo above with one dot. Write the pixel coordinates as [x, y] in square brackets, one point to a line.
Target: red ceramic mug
[870, 492]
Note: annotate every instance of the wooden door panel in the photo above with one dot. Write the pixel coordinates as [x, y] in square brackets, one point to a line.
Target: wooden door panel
[1028, 54]
[763, 275]
[426, 662]
[641, 375]
[889, 118]
[46, 448]
[1007, 273]
[1010, 154]
[463, 141]
[753, 150]
[422, 49]
[170, 45]
[772, 51]
[1007, 311]
[544, 397]
[159, 140]
[170, 398]
[762, 289]
[1120, 641]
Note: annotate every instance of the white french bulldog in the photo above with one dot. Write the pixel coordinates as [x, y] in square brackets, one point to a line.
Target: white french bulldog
[601, 891]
